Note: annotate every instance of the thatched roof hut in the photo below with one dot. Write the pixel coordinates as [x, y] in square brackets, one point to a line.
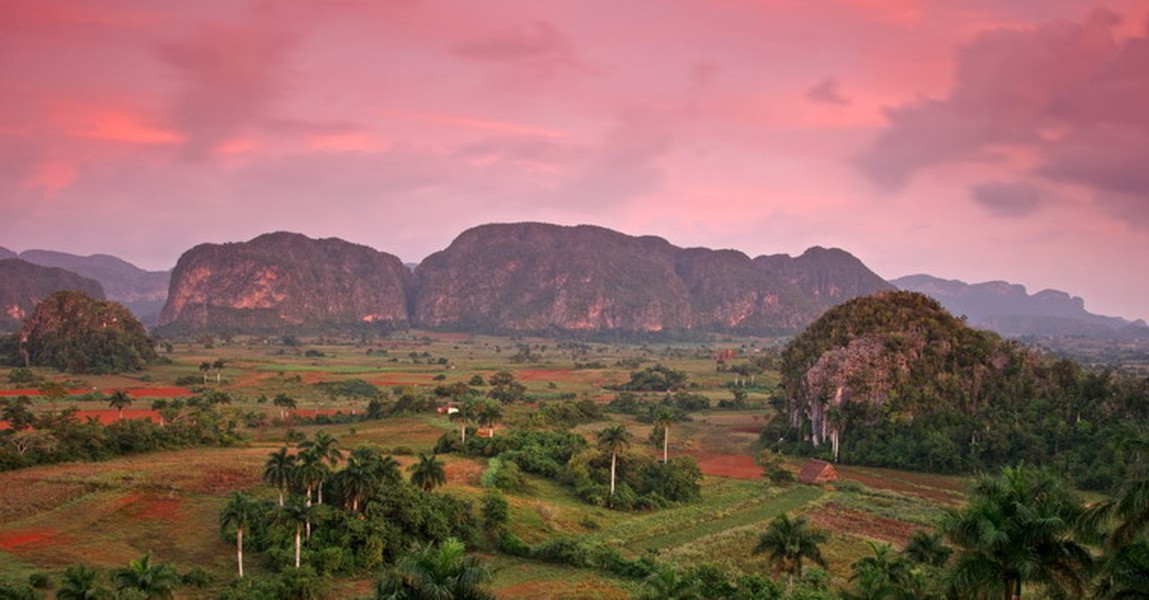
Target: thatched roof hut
[817, 472]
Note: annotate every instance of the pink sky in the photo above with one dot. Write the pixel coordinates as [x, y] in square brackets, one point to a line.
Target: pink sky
[968, 139]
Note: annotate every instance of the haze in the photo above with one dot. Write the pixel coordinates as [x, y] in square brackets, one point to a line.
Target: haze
[974, 140]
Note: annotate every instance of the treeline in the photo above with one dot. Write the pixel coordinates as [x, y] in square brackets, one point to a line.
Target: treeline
[54, 436]
[893, 380]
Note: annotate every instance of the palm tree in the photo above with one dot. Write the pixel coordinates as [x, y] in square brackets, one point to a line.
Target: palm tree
[428, 472]
[120, 400]
[666, 583]
[326, 446]
[204, 367]
[310, 473]
[788, 542]
[663, 418]
[279, 470]
[366, 470]
[1016, 528]
[436, 573]
[218, 365]
[462, 415]
[927, 548]
[155, 582]
[81, 582]
[296, 513]
[490, 413]
[1123, 573]
[884, 575]
[614, 440]
[285, 403]
[239, 513]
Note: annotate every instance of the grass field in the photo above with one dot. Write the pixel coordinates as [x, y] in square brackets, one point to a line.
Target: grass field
[167, 503]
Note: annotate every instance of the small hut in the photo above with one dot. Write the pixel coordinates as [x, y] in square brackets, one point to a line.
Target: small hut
[817, 472]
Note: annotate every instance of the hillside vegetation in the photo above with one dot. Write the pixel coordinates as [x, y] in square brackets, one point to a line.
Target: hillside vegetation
[894, 380]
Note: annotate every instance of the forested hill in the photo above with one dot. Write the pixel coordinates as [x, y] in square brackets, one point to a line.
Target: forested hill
[894, 380]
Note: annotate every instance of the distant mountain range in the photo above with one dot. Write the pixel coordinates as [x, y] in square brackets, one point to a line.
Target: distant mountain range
[142, 292]
[518, 277]
[521, 277]
[1010, 310]
[23, 285]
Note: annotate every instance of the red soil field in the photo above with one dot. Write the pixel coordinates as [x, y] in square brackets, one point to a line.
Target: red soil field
[111, 415]
[736, 466]
[838, 518]
[25, 537]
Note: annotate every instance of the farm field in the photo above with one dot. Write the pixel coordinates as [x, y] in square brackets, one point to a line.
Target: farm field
[106, 513]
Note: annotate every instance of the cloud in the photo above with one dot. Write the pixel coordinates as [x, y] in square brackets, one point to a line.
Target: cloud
[1008, 199]
[827, 91]
[1070, 94]
[539, 47]
[230, 75]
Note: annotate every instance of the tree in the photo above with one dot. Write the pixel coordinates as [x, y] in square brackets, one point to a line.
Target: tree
[436, 573]
[788, 542]
[462, 414]
[204, 367]
[155, 582]
[18, 412]
[326, 447]
[296, 513]
[285, 403]
[310, 473]
[53, 391]
[666, 583]
[218, 365]
[365, 472]
[1016, 528]
[279, 470]
[239, 513]
[663, 418]
[488, 414]
[773, 467]
[81, 582]
[883, 575]
[926, 548]
[613, 440]
[120, 400]
[428, 472]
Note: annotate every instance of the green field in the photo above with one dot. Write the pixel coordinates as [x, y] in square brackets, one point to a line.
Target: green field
[106, 513]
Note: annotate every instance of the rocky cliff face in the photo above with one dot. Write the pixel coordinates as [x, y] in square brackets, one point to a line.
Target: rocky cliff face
[142, 292]
[23, 285]
[534, 277]
[284, 279]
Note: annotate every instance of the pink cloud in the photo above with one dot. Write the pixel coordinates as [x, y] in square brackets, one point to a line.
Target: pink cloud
[230, 76]
[1071, 93]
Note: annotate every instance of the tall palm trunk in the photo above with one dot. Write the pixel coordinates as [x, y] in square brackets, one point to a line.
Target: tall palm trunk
[298, 544]
[239, 550]
[665, 442]
[613, 457]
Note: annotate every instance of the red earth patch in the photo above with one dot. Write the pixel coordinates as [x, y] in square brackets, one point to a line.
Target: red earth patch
[25, 537]
[737, 466]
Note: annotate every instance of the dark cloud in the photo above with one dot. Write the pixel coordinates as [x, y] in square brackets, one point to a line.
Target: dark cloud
[230, 75]
[1008, 199]
[1071, 92]
[826, 91]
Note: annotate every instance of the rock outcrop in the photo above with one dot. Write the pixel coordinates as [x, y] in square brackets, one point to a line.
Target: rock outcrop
[285, 280]
[23, 285]
[539, 277]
